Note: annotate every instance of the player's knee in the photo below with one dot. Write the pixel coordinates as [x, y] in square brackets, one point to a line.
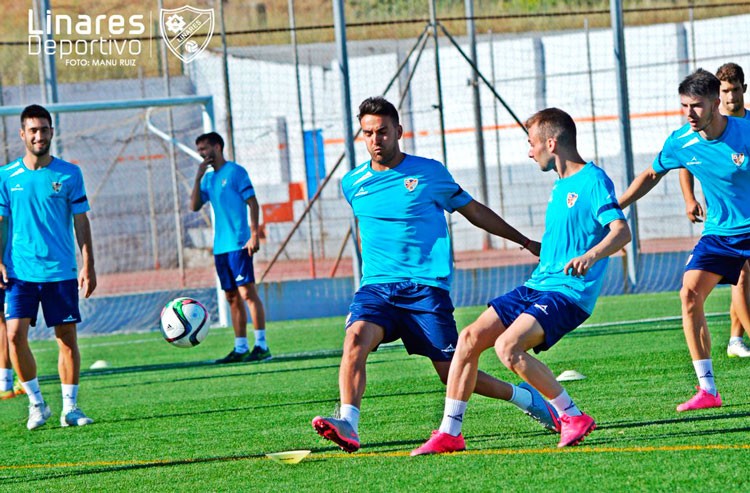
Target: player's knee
[68, 350]
[507, 353]
[249, 294]
[469, 340]
[15, 338]
[354, 338]
[252, 299]
[358, 340]
[231, 296]
[690, 296]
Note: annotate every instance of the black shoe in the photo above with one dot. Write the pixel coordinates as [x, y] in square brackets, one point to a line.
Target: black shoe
[257, 354]
[232, 357]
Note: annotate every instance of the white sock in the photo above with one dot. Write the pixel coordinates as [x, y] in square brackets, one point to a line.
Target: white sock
[240, 345]
[453, 416]
[32, 390]
[351, 414]
[521, 397]
[735, 340]
[565, 405]
[70, 396]
[260, 339]
[6, 379]
[704, 370]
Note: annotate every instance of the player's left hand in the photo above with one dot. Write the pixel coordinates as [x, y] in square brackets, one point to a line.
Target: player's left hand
[87, 281]
[3, 276]
[253, 245]
[578, 266]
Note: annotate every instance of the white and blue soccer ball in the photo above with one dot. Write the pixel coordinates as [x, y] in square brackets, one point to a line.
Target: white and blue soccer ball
[184, 322]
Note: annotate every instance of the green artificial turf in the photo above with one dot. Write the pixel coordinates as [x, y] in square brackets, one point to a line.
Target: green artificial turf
[167, 420]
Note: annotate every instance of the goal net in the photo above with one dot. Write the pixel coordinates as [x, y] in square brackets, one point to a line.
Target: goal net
[138, 174]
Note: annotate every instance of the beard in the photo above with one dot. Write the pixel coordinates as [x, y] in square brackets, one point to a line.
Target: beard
[41, 151]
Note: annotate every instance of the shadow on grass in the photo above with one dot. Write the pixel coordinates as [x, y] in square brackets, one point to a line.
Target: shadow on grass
[671, 421]
[95, 468]
[282, 358]
[611, 331]
[254, 407]
[264, 370]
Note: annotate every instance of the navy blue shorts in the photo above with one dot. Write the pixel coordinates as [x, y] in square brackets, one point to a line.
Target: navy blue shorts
[59, 301]
[234, 269]
[421, 316]
[722, 255]
[555, 312]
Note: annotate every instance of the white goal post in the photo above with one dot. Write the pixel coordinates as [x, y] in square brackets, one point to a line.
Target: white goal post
[74, 140]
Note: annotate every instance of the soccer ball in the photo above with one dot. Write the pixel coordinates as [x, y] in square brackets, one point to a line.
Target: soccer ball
[184, 322]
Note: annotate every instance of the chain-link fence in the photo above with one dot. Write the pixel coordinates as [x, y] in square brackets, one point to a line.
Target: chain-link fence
[284, 95]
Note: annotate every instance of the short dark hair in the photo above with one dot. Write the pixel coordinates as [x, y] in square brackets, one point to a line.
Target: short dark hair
[212, 138]
[700, 83]
[731, 72]
[378, 105]
[554, 123]
[35, 111]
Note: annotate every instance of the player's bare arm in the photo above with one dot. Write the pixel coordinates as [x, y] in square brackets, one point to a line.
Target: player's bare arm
[642, 184]
[615, 240]
[483, 217]
[87, 276]
[693, 208]
[195, 197]
[253, 245]
[3, 242]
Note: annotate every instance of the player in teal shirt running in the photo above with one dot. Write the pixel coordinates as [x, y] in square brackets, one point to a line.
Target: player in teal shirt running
[400, 202]
[731, 94]
[715, 149]
[227, 186]
[42, 203]
[583, 226]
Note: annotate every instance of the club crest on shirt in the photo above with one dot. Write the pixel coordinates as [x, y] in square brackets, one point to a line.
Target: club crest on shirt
[411, 183]
[56, 186]
[572, 197]
[223, 183]
[738, 158]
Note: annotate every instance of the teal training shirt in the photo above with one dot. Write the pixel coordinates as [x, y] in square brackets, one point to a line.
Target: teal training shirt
[402, 220]
[722, 166]
[228, 190]
[579, 209]
[41, 204]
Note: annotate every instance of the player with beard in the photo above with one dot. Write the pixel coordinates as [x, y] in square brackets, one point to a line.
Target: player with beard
[42, 203]
[227, 186]
[400, 202]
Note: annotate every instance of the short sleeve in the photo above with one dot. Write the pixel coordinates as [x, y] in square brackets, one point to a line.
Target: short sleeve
[604, 201]
[666, 159]
[79, 203]
[445, 191]
[244, 185]
[4, 200]
[204, 189]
